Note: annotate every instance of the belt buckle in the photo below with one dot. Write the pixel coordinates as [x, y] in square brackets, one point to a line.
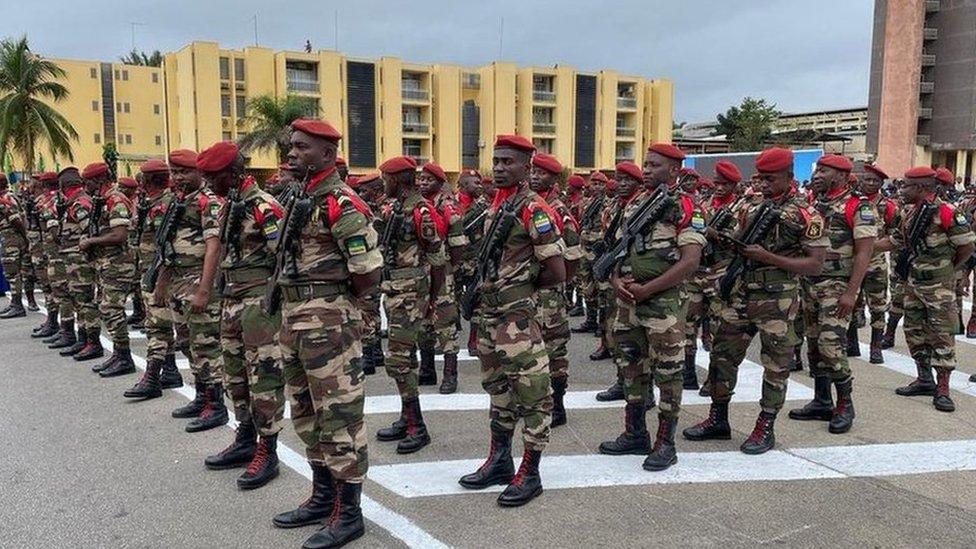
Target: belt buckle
[306, 291]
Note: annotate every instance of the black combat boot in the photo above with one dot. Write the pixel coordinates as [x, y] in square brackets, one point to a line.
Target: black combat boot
[602, 352]
[923, 385]
[122, 366]
[148, 387]
[714, 427]
[416, 435]
[762, 438]
[843, 417]
[170, 377]
[214, 412]
[15, 310]
[590, 324]
[797, 364]
[449, 383]
[398, 429]
[369, 366]
[379, 360]
[239, 453]
[706, 334]
[635, 439]
[876, 356]
[138, 316]
[78, 345]
[473, 339]
[526, 485]
[65, 336]
[49, 327]
[614, 392]
[888, 341]
[193, 408]
[853, 345]
[558, 406]
[577, 308]
[346, 521]
[663, 454]
[108, 363]
[263, 467]
[427, 374]
[317, 507]
[821, 408]
[971, 326]
[29, 294]
[497, 469]
[942, 401]
[93, 348]
[689, 375]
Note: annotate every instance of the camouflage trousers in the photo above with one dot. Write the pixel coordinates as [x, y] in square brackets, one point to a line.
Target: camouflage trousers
[159, 328]
[203, 328]
[587, 284]
[116, 275]
[961, 287]
[931, 322]
[874, 294]
[372, 320]
[252, 363]
[897, 288]
[771, 314]
[13, 268]
[39, 263]
[700, 295]
[826, 331]
[606, 300]
[81, 289]
[554, 323]
[515, 371]
[650, 340]
[405, 330]
[321, 348]
[441, 331]
[57, 275]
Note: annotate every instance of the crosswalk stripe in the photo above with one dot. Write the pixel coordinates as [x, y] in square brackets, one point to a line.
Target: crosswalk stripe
[958, 381]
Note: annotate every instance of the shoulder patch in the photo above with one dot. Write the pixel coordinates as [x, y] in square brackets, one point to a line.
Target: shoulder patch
[697, 220]
[814, 226]
[541, 221]
[356, 245]
[866, 213]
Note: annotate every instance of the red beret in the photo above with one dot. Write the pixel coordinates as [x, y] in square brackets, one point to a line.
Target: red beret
[368, 178]
[352, 180]
[340, 161]
[318, 128]
[873, 168]
[705, 183]
[920, 171]
[398, 164]
[217, 157]
[46, 176]
[436, 171]
[547, 162]
[128, 182]
[668, 150]
[836, 162]
[184, 158]
[631, 169]
[691, 172]
[728, 171]
[70, 173]
[95, 169]
[945, 176]
[514, 142]
[472, 172]
[153, 165]
[775, 159]
[598, 176]
[576, 181]
[611, 184]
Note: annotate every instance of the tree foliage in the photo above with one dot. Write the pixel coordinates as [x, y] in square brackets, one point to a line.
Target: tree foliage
[136, 57]
[748, 126]
[269, 119]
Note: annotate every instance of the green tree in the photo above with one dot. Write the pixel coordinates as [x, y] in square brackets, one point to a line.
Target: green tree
[27, 120]
[269, 118]
[111, 157]
[136, 57]
[748, 126]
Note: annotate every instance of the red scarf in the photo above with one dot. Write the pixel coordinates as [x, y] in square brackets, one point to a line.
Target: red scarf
[502, 194]
[465, 200]
[318, 178]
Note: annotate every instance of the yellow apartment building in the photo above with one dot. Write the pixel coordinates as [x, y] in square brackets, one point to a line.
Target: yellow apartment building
[383, 107]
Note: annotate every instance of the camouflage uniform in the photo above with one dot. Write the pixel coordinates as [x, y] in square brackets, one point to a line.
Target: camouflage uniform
[251, 357]
[114, 267]
[874, 288]
[442, 330]
[553, 318]
[321, 328]
[35, 237]
[591, 232]
[15, 246]
[159, 318]
[59, 299]
[80, 272]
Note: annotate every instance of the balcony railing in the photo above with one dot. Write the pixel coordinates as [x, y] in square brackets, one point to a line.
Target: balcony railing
[929, 33]
[303, 86]
[415, 95]
[928, 59]
[626, 103]
[932, 6]
[543, 127]
[620, 159]
[625, 132]
[544, 96]
[420, 160]
[923, 139]
[415, 127]
[925, 113]
[926, 87]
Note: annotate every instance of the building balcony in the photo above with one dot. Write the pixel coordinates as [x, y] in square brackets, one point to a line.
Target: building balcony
[307, 86]
[928, 59]
[414, 94]
[929, 33]
[420, 160]
[225, 122]
[543, 127]
[926, 87]
[626, 103]
[925, 113]
[932, 6]
[625, 132]
[923, 140]
[416, 127]
[543, 96]
[620, 159]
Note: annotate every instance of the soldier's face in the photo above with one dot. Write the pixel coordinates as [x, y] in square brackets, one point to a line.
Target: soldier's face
[869, 183]
[509, 167]
[626, 185]
[658, 169]
[427, 183]
[596, 187]
[915, 189]
[343, 171]
[185, 179]
[723, 188]
[540, 180]
[222, 182]
[774, 184]
[688, 183]
[471, 185]
[308, 155]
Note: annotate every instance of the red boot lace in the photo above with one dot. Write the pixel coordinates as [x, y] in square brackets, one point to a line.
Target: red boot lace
[841, 406]
[759, 433]
[491, 457]
[661, 430]
[336, 508]
[259, 460]
[520, 474]
[942, 387]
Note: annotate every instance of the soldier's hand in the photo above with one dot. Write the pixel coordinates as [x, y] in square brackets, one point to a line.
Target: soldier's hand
[199, 300]
[754, 252]
[624, 288]
[845, 305]
[83, 244]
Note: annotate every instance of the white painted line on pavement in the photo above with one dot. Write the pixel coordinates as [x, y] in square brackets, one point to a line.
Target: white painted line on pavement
[897, 362]
[412, 480]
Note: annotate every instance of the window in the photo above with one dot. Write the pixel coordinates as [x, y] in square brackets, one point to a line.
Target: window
[301, 76]
[241, 106]
[128, 139]
[159, 140]
[117, 74]
[156, 108]
[95, 106]
[125, 107]
[93, 72]
[224, 105]
[125, 75]
[118, 106]
[155, 78]
[98, 138]
[239, 70]
[224, 68]
[226, 136]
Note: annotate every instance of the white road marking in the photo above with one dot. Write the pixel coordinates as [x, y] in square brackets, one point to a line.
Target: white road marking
[902, 364]
[412, 480]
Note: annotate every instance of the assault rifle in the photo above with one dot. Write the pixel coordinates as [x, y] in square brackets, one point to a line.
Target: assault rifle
[489, 256]
[164, 242]
[94, 222]
[392, 231]
[298, 211]
[767, 217]
[601, 246]
[590, 213]
[230, 234]
[142, 212]
[475, 226]
[651, 210]
[916, 240]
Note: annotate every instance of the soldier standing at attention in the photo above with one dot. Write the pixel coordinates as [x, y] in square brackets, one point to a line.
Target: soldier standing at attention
[413, 275]
[523, 241]
[81, 273]
[574, 201]
[251, 359]
[336, 261]
[591, 232]
[944, 243]
[13, 228]
[765, 299]
[187, 282]
[132, 188]
[40, 252]
[370, 188]
[649, 331]
[52, 206]
[849, 222]
[553, 317]
[470, 198]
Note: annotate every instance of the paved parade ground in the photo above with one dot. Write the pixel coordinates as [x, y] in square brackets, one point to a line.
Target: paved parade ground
[83, 467]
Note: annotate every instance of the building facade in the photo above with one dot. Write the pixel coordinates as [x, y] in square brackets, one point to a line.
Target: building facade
[383, 107]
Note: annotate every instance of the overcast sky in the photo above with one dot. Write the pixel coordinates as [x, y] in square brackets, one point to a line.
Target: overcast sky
[800, 54]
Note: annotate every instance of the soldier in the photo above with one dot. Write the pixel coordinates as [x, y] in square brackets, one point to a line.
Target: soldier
[605, 294]
[947, 192]
[849, 223]
[525, 245]
[34, 263]
[337, 261]
[341, 168]
[187, 281]
[574, 201]
[132, 189]
[896, 288]
[944, 241]
[52, 208]
[13, 228]
[39, 256]
[764, 299]
[649, 330]
[442, 333]
[553, 315]
[413, 275]
[157, 196]
[473, 213]
[967, 205]
[590, 233]
[370, 188]
[251, 358]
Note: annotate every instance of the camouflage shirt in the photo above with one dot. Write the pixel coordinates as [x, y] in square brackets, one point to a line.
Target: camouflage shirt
[846, 218]
[200, 221]
[567, 224]
[887, 220]
[47, 212]
[116, 212]
[450, 213]
[74, 225]
[156, 209]
[417, 248]
[948, 230]
[470, 210]
[10, 211]
[248, 263]
[591, 230]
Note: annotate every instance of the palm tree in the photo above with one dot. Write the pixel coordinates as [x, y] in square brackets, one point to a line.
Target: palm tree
[269, 119]
[27, 84]
[136, 57]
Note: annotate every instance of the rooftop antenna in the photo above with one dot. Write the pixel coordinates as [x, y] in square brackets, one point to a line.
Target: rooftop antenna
[255, 29]
[132, 27]
[336, 29]
[501, 36]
